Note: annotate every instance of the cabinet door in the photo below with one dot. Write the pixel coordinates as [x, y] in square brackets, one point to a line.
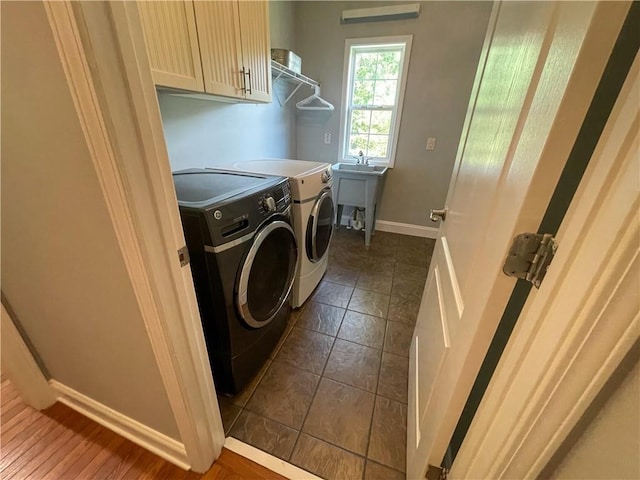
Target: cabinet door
[172, 44]
[219, 36]
[256, 53]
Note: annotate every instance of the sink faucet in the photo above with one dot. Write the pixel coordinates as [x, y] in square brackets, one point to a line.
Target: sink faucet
[362, 160]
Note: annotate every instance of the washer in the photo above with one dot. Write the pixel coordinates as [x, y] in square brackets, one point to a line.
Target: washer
[313, 213]
[244, 256]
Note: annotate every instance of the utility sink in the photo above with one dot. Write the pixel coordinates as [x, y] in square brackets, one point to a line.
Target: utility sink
[355, 167]
[358, 185]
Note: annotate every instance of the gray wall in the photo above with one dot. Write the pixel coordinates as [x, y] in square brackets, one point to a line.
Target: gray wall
[447, 41]
[63, 272]
[204, 133]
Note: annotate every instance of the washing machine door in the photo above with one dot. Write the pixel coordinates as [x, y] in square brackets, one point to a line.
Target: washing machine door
[267, 274]
[320, 227]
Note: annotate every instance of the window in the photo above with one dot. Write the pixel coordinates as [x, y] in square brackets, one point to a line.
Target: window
[375, 77]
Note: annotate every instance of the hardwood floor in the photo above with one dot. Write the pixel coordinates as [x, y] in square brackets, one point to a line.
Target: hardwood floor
[59, 443]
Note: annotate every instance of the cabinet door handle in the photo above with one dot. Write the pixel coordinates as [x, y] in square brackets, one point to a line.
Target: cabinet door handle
[250, 83]
[244, 80]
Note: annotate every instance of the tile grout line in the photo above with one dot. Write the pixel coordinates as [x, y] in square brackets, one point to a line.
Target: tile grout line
[320, 380]
[375, 394]
[377, 383]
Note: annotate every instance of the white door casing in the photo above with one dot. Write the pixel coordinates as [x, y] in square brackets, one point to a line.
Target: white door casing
[21, 368]
[104, 57]
[540, 65]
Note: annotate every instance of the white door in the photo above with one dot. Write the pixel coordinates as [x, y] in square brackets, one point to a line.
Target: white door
[538, 71]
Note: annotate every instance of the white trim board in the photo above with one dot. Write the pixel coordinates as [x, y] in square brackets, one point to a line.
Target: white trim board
[152, 440]
[407, 229]
[268, 461]
[23, 371]
[396, 227]
[117, 105]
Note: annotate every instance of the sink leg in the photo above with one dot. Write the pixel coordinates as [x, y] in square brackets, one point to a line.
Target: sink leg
[339, 216]
[368, 222]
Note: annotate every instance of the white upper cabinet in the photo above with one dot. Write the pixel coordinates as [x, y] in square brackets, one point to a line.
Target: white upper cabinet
[216, 47]
[172, 44]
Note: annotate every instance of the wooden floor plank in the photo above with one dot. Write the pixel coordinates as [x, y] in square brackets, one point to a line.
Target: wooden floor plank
[152, 471]
[8, 393]
[12, 409]
[139, 466]
[238, 464]
[8, 402]
[213, 473]
[123, 455]
[38, 451]
[172, 472]
[83, 457]
[96, 436]
[127, 455]
[59, 443]
[29, 437]
[89, 471]
[62, 450]
[18, 423]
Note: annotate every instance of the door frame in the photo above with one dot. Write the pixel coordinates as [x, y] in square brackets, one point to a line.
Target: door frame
[543, 384]
[103, 54]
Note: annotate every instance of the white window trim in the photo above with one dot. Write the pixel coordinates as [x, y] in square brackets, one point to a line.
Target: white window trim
[395, 127]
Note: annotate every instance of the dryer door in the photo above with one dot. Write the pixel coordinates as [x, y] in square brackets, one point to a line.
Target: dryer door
[267, 274]
[320, 227]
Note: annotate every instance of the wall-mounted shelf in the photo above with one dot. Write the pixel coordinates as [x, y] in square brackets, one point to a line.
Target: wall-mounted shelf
[288, 74]
[280, 72]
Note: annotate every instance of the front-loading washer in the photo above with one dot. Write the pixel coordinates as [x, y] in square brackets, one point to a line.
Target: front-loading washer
[313, 215]
[243, 257]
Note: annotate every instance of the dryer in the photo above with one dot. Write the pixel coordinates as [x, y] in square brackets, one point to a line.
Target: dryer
[313, 215]
[244, 257]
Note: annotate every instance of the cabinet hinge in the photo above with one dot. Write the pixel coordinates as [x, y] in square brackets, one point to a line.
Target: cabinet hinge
[183, 256]
[530, 256]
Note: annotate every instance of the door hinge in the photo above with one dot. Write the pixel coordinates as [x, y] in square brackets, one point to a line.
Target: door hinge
[530, 256]
[436, 473]
[183, 256]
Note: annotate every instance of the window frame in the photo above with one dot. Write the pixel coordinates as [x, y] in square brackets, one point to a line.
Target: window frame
[396, 117]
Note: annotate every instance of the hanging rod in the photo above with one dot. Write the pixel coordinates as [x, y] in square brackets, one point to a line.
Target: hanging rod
[284, 73]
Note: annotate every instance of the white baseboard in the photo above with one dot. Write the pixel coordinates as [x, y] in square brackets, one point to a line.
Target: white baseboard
[402, 228]
[152, 440]
[268, 461]
[407, 229]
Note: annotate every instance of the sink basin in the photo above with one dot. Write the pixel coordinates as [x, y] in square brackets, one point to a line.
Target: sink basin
[354, 167]
[360, 186]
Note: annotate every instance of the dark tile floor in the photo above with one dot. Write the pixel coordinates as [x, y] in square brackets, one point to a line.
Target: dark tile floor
[333, 397]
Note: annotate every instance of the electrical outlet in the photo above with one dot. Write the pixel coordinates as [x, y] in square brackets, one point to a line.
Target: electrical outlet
[327, 138]
[431, 143]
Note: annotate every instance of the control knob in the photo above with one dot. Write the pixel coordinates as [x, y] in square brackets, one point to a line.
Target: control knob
[326, 176]
[269, 204]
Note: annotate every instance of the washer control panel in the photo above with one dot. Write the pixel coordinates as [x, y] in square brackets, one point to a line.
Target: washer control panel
[268, 204]
[276, 200]
[326, 176]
